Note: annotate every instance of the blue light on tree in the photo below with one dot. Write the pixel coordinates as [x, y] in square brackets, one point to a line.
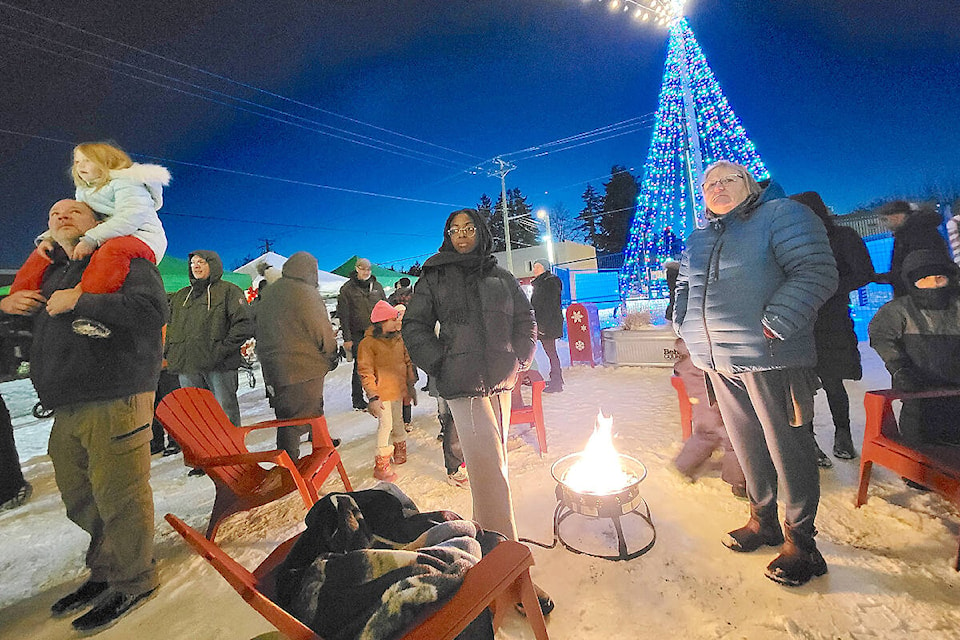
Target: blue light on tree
[695, 126]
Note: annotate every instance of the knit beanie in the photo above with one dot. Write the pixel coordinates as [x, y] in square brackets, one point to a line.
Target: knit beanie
[383, 310]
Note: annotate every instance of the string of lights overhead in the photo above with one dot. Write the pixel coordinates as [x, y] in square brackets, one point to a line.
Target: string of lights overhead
[661, 13]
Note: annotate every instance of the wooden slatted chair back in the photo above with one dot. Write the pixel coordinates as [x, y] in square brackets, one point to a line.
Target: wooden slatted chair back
[197, 422]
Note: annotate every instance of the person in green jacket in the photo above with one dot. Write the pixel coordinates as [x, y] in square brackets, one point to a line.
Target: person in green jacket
[209, 321]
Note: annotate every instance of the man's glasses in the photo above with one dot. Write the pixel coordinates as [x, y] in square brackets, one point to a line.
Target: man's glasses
[726, 181]
[468, 231]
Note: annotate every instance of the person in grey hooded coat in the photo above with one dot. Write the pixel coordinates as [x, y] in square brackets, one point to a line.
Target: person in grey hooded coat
[747, 297]
[296, 346]
[209, 322]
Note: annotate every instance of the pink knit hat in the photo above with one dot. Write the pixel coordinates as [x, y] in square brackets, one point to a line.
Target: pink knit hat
[383, 311]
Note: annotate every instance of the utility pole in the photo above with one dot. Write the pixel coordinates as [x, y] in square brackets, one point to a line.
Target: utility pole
[505, 168]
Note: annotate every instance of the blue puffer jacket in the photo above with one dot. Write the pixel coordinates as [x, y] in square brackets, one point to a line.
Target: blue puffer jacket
[766, 263]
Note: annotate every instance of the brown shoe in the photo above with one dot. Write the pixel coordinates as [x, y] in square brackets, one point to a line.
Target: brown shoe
[382, 470]
[753, 535]
[799, 560]
[400, 452]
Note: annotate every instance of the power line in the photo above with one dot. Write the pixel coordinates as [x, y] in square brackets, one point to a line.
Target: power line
[267, 223]
[406, 153]
[231, 81]
[249, 174]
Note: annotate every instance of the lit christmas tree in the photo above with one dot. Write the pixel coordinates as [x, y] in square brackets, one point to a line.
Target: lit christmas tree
[695, 127]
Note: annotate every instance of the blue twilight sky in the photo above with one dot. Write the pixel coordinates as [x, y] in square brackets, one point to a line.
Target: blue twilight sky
[857, 100]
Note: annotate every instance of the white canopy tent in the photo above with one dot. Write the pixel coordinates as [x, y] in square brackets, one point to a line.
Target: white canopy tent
[329, 283]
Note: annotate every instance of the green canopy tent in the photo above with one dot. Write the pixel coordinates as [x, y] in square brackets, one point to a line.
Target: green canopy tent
[386, 277]
[175, 276]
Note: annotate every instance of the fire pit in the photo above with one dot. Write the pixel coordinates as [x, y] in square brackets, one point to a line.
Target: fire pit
[602, 483]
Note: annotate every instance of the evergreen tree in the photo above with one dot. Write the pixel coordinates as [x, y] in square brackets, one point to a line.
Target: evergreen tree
[619, 208]
[523, 228]
[485, 208]
[588, 220]
[562, 222]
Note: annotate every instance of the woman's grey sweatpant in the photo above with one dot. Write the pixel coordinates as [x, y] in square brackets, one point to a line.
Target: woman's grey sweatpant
[756, 410]
[482, 424]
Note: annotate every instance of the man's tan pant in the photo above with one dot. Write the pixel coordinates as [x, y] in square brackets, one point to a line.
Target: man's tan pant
[101, 459]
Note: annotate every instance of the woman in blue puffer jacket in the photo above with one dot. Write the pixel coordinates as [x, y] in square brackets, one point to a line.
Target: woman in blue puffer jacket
[749, 288]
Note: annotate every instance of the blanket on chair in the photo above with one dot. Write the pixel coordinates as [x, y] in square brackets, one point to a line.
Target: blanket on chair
[370, 564]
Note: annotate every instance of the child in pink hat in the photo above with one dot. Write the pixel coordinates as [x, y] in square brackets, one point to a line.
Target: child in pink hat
[387, 376]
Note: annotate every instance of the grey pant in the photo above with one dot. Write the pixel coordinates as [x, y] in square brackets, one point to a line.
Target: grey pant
[301, 400]
[223, 384]
[756, 411]
[482, 424]
[101, 462]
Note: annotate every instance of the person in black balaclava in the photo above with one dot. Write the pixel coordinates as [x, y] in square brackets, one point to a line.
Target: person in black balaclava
[916, 335]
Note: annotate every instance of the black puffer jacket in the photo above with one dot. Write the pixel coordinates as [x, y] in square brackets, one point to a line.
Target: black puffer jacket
[918, 232]
[546, 305]
[836, 341]
[209, 322]
[354, 304]
[487, 333]
[67, 368]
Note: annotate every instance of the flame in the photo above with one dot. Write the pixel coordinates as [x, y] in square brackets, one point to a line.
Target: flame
[599, 470]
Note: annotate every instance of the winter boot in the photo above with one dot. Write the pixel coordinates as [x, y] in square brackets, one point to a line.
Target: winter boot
[757, 532]
[382, 470]
[400, 452]
[407, 413]
[554, 386]
[823, 461]
[799, 560]
[843, 444]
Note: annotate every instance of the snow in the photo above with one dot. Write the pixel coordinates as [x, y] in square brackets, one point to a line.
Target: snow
[890, 561]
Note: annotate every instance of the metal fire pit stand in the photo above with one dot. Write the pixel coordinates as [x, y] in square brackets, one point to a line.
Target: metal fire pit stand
[627, 502]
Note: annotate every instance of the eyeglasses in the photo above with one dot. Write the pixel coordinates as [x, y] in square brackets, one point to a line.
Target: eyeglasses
[726, 181]
[468, 231]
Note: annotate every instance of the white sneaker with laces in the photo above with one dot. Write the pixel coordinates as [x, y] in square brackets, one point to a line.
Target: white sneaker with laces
[459, 478]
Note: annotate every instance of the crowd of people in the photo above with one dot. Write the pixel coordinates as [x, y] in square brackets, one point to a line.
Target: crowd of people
[759, 303]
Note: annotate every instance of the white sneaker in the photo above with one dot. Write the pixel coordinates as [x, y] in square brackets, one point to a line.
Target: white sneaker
[459, 478]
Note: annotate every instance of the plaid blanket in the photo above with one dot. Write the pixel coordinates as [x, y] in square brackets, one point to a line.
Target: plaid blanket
[370, 564]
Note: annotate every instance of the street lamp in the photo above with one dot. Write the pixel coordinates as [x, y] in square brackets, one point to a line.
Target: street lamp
[543, 215]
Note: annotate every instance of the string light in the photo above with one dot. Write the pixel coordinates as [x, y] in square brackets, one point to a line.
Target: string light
[661, 12]
[665, 212]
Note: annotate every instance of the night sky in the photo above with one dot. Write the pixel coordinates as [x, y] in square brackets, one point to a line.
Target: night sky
[857, 100]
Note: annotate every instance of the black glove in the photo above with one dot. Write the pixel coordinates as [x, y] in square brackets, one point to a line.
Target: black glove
[907, 379]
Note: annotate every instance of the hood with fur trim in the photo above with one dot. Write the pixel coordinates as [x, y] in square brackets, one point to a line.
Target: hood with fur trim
[152, 176]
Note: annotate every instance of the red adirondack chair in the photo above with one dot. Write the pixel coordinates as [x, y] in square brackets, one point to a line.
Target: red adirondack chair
[936, 467]
[211, 442]
[499, 580]
[532, 414]
[686, 409]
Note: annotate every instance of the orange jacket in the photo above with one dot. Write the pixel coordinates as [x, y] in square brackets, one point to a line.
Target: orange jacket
[384, 366]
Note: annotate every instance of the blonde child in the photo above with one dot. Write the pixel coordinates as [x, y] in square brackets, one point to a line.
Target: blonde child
[126, 195]
[387, 376]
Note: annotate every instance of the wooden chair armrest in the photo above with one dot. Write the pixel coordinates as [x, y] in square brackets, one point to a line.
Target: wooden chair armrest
[533, 376]
[243, 458]
[292, 422]
[894, 394]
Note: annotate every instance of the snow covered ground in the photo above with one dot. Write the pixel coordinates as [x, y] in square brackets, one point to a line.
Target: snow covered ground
[890, 575]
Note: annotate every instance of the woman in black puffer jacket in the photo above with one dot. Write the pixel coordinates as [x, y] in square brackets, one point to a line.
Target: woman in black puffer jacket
[487, 336]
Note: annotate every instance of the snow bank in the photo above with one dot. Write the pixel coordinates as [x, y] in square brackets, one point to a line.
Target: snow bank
[890, 575]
